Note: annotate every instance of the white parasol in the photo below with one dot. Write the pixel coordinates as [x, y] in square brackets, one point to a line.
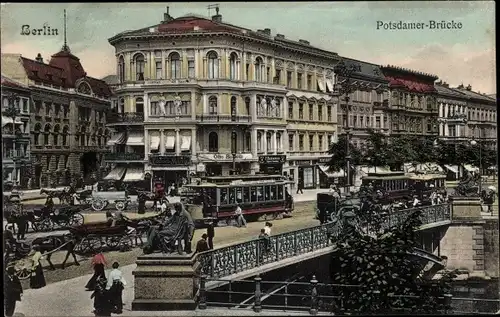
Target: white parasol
[492, 188]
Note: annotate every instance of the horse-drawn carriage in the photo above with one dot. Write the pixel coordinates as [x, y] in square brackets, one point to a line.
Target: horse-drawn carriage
[100, 200]
[64, 195]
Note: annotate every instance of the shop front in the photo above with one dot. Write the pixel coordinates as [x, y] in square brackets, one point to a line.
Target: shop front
[170, 169]
[272, 164]
[307, 174]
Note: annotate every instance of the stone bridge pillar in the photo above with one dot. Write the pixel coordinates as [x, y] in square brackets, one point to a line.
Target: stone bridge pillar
[463, 242]
[165, 282]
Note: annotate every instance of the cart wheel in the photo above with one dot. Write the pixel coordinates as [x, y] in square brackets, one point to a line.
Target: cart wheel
[23, 269]
[120, 205]
[98, 204]
[76, 220]
[113, 242]
[45, 225]
[81, 247]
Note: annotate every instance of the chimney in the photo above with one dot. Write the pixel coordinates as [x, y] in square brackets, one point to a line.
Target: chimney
[461, 86]
[267, 32]
[469, 88]
[304, 42]
[217, 17]
[39, 58]
[280, 36]
[166, 16]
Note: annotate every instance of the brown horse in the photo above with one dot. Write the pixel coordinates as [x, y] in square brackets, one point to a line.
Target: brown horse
[48, 245]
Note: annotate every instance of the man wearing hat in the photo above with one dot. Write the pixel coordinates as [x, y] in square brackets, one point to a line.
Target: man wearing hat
[12, 290]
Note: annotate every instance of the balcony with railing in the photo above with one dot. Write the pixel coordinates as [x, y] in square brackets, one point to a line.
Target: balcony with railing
[11, 154]
[124, 157]
[170, 159]
[125, 118]
[223, 118]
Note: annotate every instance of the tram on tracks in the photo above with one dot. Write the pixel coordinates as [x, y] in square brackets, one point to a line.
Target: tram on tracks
[261, 197]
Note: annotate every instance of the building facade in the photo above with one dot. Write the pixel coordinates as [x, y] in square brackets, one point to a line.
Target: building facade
[196, 95]
[67, 118]
[412, 108]
[453, 113]
[16, 101]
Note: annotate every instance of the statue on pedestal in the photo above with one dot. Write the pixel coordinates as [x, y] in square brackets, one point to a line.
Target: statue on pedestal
[162, 103]
[263, 106]
[468, 185]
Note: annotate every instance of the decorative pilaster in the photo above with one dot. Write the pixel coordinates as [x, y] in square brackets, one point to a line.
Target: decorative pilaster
[275, 148]
[254, 145]
[162, 141]
[193, 141]
[177, 142]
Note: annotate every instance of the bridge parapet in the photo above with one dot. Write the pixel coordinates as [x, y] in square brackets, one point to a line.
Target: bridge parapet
[251, 254]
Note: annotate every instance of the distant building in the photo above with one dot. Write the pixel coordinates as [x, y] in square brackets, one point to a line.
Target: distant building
[68, 114]
[453, 113]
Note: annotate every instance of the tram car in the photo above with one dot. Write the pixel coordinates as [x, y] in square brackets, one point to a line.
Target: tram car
[260, 198]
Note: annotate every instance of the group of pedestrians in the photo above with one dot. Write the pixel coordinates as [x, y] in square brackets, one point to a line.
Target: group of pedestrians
[107, 292]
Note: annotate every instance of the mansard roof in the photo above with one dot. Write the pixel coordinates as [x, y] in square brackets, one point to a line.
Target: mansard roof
[410, 80]
[475, 95]
[9, 82]
[366, 70]
[445, 90]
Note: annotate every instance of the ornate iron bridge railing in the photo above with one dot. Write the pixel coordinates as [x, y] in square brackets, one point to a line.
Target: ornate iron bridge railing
[254, 253]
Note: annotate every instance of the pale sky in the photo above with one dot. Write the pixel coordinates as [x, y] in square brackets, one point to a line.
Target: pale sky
[465, 55]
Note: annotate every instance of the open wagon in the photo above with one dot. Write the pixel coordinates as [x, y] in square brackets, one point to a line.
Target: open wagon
[92, 237]
[100, 200]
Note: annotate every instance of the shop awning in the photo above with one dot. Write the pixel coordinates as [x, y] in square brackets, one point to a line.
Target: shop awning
[135, 138]
[331, 174]
[155, 142]
[321, 85]
[170, 144]
[116, 174]
[471, 168]
[329, 85]
[452, 168]
[186, 143]
[134, 174]
[118, 138]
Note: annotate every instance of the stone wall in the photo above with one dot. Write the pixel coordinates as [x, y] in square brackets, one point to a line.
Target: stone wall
[491, 247]
[463, 244]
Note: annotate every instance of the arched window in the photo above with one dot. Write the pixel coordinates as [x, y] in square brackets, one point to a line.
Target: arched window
[82, 136]
[175, 65]
[121, 69]
[269, 143]
[213, 142]
[46, 131]
[247, 105]
[277, 108]
[139, 67]
[248, 142]
[233, 108]
[139, 105]
[268, 109]
[213, 65]
[233, 73]
[212, 105]
[36, 135]
[121, 105]
[99, 137]
[259, 142]
[234, 142]
[65, 135]
[278, 142]
[57, 128]
[259, 64]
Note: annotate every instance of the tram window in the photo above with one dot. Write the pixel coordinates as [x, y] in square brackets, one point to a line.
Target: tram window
[253, 193]
[223, 196]
[232, 196]
[267, 193]
[246, 194]
[239, 194]
[273, 192]
[280, 192]
[260, 193]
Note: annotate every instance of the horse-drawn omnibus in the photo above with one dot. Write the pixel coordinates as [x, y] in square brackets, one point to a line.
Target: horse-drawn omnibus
[264, 199]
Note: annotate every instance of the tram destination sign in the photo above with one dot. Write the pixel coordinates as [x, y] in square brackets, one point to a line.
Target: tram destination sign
[272, 159]
[169, 160]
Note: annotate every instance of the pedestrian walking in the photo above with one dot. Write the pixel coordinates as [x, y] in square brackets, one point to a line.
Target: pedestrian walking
[22, 223]
[115, 285]
[37, 278]
[12, 290]
[202, 245]
[300, 186]
[102, 303]
[267, 228]
[240, 219]
[98, 263]
[264, 244]
[210, 234]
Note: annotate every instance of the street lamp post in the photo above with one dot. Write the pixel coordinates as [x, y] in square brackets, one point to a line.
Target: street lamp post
[474, 143]
[233, 150]
[346, 87]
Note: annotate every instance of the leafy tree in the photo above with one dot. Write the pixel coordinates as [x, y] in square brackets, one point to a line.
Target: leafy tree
[378, 267]
[377, 150]
[402, 150]
[339, 154]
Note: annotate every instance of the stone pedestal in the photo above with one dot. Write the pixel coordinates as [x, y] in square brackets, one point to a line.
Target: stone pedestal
[165, 282]
[466, 208]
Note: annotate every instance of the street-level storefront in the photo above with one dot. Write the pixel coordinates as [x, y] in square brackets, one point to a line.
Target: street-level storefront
[170, 169]
[328, 177]
[272, 164]
[223, 164]
[307, 173]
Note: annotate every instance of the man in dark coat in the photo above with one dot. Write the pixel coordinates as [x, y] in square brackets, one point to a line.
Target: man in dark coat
[189, 233]
[202, 245]
[102, 302]
[13, 291]
[210, 234]
[22, 223]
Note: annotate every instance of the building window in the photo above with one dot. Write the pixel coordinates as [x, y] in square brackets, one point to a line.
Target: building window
[139, 67]
[361, 121]
[121, 69]
[377, 122]
[301, 142]
[355, 121]
[48, 107]
[234, 142]
[233, 107]
[212, 105]
[248, 142]
[268, 74]
[301, 111]
[299, 81]
[247, 105]
[213, 142]
[233, 66]
[311, 143]
[65, 111]
[247, 71]
[213, 65]
[258, 69]
[368, 122]
[191, 69]
[320, 112]
[289, 79]
[290, 142]
[36, 135]
[320, 142]
[139, 105]
[290, 110]
[56, 134]
[158, 70]
[269, 143]
[175, 66]
[329, 113]
[311, 112]
[277, 78]
[278, 142]
[259, 142]
[46, 134]
[309, 82]
[65, 135]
